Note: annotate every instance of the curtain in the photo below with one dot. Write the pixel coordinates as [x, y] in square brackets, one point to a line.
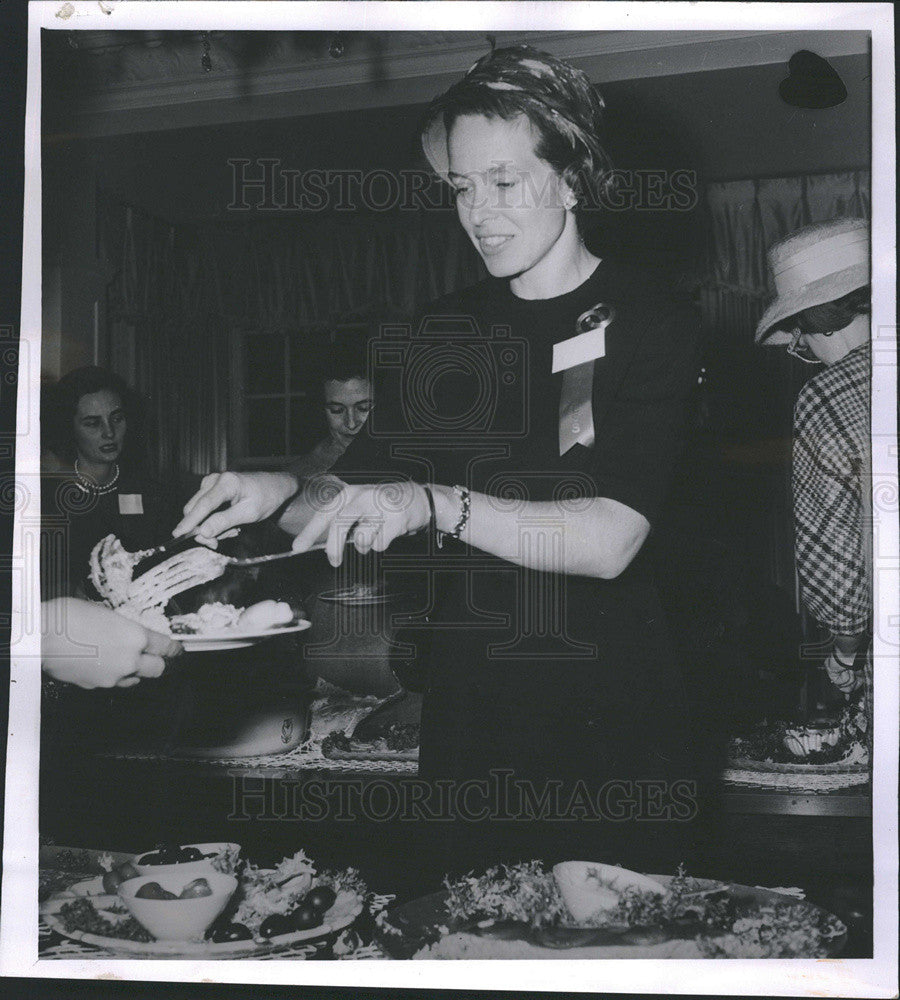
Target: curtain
[165, 338]
[746, 217]
[180, 292]
[276, 274]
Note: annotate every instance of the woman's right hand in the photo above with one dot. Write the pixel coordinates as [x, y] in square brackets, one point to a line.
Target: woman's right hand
[250, 497]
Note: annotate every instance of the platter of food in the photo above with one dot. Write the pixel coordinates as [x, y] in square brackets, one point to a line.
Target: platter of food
[180, 912]
[591, 910]
[817, 755]
[398, 741]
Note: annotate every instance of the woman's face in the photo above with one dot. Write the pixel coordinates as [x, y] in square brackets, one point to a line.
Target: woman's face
[832, 347]
[99, 426]
[510, 202]
[347, 407]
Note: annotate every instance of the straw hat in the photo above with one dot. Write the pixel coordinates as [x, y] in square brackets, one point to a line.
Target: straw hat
[812, 266]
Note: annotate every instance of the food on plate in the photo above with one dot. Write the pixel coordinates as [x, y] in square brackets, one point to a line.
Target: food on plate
[840, 740]
[170, 854]
[118, 874]
[265, 614]
[305, 917]
[145, 598]
[802, 741]
[193, 890]
[153, 890]
[334, 709]
[587, 888]
[321, 898]
[112, 569]
[776, 932]
[580, 909]
[212, 617]
[399, 738]
[220, 857]
[227, 932]
[266, 905]
[523, 892]
[275, 925]
[81, 916]
[285, 890]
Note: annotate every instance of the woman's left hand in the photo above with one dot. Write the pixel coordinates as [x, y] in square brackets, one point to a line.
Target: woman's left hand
[375, 514]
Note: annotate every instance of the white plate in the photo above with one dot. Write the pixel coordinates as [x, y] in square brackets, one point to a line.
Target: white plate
[232, 638]
[338, 918]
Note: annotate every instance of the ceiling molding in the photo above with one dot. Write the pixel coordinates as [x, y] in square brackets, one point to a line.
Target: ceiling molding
[413, 67]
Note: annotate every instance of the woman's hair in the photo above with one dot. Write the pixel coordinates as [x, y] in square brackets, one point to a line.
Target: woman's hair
[341, 365]
[61, 402]
[831, 316]
[559, 101]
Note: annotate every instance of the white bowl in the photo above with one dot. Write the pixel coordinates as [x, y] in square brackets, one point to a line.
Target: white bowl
[193, 868]
[178, 919]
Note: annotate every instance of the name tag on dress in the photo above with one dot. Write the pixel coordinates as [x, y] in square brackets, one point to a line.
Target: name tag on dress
[131, 503]
[587, 346]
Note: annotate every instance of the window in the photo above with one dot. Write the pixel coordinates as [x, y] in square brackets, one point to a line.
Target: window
[274, 392]
[274, 414]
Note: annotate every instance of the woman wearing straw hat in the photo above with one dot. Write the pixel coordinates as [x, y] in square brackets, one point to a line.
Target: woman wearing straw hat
[551, 671]
[821, 313]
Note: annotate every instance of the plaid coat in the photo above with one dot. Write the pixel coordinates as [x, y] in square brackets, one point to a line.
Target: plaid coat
[831, 464]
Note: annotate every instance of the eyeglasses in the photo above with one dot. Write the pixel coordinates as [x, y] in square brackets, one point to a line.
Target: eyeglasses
[801, 351]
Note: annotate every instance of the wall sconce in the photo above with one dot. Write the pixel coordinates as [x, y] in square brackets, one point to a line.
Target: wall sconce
[811, 83]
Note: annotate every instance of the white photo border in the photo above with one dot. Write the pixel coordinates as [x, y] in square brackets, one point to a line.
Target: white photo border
[876, 977]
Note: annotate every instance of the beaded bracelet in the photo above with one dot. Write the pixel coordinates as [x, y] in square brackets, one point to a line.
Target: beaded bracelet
[465, 504]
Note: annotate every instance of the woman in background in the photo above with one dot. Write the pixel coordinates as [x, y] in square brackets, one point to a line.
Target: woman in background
[98, 484]
[347, 401]
[95, 484]
[821, 314]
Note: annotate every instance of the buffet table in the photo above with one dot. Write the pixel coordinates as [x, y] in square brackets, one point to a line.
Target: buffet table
[821, 842]
[384, 928]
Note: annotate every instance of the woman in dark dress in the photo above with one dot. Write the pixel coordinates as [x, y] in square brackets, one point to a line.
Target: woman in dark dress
[95, 483]
[539, 415]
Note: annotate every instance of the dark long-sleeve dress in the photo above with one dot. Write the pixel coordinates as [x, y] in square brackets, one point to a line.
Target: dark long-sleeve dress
[562, 690]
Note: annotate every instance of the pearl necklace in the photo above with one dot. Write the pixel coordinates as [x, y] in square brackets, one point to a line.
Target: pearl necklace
[88, 485]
